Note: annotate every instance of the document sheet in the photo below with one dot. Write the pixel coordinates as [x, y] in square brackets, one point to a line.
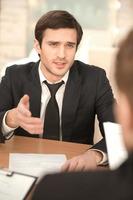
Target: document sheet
[117, 152]
[14, 186]
[36, 164]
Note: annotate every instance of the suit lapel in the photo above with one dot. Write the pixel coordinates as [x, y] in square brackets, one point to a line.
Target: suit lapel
[70, 101]
[35, 91]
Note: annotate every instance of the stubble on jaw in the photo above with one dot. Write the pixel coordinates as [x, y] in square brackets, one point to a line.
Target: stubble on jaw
[51, 76]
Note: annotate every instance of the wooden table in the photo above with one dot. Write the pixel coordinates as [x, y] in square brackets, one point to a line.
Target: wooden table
[19, 144]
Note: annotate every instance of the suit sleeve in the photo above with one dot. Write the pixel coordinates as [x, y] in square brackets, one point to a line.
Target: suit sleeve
[6, 100]
[104, 106]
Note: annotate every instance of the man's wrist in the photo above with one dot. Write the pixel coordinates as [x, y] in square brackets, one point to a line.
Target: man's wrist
[101, 157]
[6, 130]
[10, 119]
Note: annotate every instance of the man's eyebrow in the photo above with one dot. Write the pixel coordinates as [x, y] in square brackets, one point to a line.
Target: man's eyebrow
[71, 42]
[51, 41]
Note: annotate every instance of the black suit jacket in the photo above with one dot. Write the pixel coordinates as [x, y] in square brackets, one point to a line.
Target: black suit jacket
[87, 93]
[97, 185]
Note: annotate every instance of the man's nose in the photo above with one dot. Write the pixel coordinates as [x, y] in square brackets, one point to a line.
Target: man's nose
[61, 52]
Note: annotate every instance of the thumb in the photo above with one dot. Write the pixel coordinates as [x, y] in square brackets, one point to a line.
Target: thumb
[25, 101]
[24, 105]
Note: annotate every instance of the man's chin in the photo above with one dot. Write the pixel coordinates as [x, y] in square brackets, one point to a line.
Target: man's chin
[60, 74]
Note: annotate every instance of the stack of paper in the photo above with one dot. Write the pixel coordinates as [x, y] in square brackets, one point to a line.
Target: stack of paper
[36, 164]
[14, 185]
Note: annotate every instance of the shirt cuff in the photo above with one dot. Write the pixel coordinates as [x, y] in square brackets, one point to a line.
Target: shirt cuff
[104, 160]
[6, 130]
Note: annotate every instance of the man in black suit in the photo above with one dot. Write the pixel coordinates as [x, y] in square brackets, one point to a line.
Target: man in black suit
[85, 92]
[110, 185]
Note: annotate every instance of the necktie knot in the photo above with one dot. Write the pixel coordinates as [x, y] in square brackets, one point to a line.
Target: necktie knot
[53, 88]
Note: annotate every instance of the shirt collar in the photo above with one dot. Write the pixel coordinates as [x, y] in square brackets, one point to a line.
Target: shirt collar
[43, 78]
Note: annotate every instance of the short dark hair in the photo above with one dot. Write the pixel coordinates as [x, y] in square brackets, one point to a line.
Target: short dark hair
[57, 19]
[124, 67]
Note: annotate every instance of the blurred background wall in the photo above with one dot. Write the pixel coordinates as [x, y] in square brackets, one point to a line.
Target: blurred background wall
[104, 23]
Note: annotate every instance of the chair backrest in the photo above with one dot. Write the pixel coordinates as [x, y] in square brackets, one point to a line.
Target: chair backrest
[33, 57]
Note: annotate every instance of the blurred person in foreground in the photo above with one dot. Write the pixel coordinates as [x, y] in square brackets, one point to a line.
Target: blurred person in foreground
[110, 185]
[85, 92]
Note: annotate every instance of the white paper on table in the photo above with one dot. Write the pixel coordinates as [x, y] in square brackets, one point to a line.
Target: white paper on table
[36, 164]
[14, 185]
[117, 152]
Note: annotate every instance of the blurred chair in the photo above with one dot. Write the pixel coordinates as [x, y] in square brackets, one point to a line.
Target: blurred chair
[33, 57]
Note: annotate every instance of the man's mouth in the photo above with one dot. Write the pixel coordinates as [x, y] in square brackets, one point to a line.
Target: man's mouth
[60, 64]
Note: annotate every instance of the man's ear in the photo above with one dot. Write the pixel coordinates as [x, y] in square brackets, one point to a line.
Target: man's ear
[37, 46]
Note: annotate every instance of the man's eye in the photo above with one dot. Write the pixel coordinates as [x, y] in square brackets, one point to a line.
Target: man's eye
[53, 44]
[70, 45]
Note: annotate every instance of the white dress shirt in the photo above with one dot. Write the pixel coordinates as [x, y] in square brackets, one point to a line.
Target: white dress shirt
[45, 96]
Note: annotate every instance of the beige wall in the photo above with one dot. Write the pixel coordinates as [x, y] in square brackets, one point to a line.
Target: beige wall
[13, 23]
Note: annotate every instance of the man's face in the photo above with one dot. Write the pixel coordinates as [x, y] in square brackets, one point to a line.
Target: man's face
[57, 52]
